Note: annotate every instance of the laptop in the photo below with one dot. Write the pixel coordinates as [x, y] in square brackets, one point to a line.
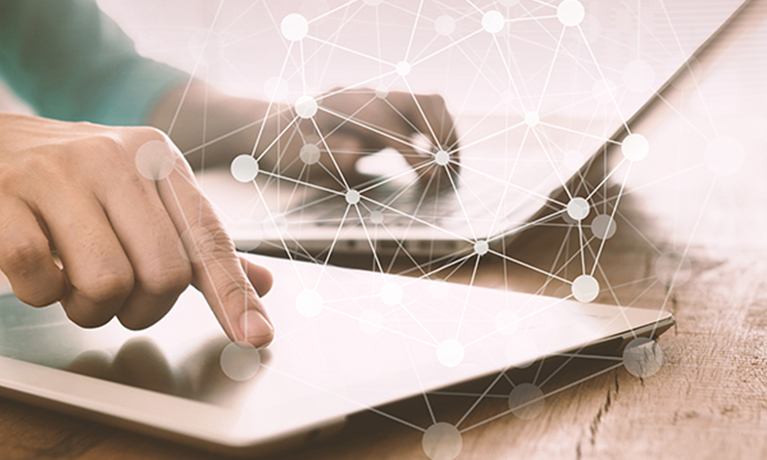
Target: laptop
[348, 341]
[515, 174]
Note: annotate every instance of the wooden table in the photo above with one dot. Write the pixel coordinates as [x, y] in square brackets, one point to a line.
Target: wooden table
[709, 399]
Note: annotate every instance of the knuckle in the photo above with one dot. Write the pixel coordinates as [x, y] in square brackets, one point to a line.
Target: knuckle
[110, 285]
[167, 279]
[24, 255]
[38, 298]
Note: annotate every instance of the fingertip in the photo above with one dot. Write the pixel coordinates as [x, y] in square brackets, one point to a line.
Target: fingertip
[256, 329]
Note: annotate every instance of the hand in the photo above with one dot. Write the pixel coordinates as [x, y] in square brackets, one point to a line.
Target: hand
[122, 210]
[354, 123]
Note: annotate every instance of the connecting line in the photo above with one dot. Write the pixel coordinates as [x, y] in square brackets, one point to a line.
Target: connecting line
[475, 6]
[367, 236]
[582, 250]
[269, 108]
[621, 308]
[553, 165]
[531, 267]
[491, 136]
[412, 33]
[684, 254]
[375, 130]
[349, 50]
[533, 401]
[423, 115]
[604, 181]
[551, 69]
[612, 219]
[329, 12]
[294, 121]
[418, 376]
[540, 2]
[605, 140]
[681, 116]
[602, 75]
[299, 182]
[545, 198]
[194, 70]
[508, 71]
[689, 69]
[468, 295]
[481, 397]
[332, 246]
[340, 396]
[446, 48]
[415, 218]
[521, 228]
[330, 153]
[521, 319]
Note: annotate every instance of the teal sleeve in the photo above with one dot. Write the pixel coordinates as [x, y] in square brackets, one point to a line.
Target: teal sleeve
[70, 61]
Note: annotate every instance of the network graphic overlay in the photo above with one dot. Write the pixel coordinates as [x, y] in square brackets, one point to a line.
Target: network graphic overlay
[436, 133]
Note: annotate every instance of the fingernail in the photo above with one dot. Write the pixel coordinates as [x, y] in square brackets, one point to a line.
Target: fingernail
[255, 328]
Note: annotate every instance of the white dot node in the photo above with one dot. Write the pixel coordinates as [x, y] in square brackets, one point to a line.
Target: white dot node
[532, 118]
[309, 303]
[244, 168]
[373, 2]
[450, 353]
[155, 160]
[585, 288]
[725, 155]
[570, 13]
[445, 25]
[673, 268]
[391, 294]
[578, 209]
[352, 196]
[506, 322]
[242, 231]
[403, 68]
[493, 22]
[521, 351]
[382, 91]
[638, 76]
[573, 160]
[481, 247]
[439, 289]
[442, 441]
[642, 357]
[206, 47]
[604, 91]
[603, 226]
[376, 217]
[306, 107]
[442, 158]
[276, 89]
[294, 27]
[309, 154]
[240, 361]
[635, 147]
[371, 321]
[275, 225]
[526, 401]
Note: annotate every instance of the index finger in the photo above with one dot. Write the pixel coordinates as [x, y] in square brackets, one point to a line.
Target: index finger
[216, 269]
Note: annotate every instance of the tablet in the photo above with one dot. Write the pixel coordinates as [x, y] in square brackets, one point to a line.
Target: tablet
[346, 341]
